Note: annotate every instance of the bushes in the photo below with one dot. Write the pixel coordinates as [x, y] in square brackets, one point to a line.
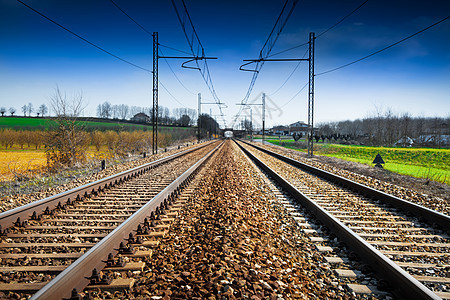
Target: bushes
[116, 143]
[9, 138]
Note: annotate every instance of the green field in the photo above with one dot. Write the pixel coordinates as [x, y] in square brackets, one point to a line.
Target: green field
[21, 123]
[428, 163]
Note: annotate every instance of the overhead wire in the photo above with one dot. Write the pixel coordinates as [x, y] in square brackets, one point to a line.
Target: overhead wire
[306, 84]
[174, 74]
[84, 39]
[171, 48]
[325, 31]
[264, 53]
[150, 34]
[290, 75]
[289, 49]
[197, 50]
[342, 20]
[385, 48]
[134, 21]
[174, 98]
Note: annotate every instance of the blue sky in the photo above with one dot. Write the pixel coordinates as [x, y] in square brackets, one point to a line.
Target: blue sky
[36, 55]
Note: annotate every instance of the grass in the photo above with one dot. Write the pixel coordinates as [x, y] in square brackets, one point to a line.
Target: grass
[433, 164]
[22, 123]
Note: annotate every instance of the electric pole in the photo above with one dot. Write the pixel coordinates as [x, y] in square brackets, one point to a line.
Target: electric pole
[155, 94]
[263, 116]
[311, 95]
[310, 90]
[199, 121]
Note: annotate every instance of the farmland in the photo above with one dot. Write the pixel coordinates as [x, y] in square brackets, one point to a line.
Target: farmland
[433, 164]
[22, 154]
[22, 123]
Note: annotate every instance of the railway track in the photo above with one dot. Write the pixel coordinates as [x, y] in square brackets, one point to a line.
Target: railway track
[44, 238]
[210, 224]
[231, 240]
[406, 244]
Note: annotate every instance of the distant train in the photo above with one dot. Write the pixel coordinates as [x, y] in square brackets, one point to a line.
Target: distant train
[228, 134]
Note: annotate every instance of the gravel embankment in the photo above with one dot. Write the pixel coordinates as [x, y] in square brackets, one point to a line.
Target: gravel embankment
[230, 242]
[427, 193]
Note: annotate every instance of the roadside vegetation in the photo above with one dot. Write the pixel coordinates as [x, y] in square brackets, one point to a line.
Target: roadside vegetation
[428, 163]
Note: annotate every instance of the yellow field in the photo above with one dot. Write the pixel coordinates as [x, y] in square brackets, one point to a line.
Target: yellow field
[20, 163]
[27, 162]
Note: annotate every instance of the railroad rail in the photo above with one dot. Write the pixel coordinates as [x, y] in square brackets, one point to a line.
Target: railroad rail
[364, 219]
[212, 228]
[71, 223]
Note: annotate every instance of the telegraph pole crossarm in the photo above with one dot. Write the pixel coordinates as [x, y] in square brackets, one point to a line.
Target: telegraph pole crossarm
[276, 59]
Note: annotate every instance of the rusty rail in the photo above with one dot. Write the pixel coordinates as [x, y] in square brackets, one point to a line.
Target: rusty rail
[404, 285]
[433, 217]
[74, 276]
[8, 218]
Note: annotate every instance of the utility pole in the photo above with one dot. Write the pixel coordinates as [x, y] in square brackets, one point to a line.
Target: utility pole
[208, 103]
[251, 124]
[310, 90]
[263, 116]
[199, 111]
[155, 94]
[156, 57]
[210, 121]
[311, 95]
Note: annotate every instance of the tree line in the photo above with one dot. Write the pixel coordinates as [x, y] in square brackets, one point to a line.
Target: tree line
[42, 110]
[180, 116]
[386, 128]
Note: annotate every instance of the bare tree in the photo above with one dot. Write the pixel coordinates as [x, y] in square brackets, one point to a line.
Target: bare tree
[136, 109]
[115, 111]
[99, 111]
[43, 110]
[24, 110]
[66, 144]
[106, 109]
[405, 122]
[30, 109]
[2, 110]
[123, 111]
[12, 111]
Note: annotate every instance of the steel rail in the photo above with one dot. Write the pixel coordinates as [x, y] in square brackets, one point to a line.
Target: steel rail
[431, 216]
[404, 285]
[9, 217]
[74, 275]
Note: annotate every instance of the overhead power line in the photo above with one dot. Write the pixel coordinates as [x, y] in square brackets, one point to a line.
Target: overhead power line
[385, 48]
[264, 53]
[325, 31]
[341, 20]
[306, 84]
[150, 34]
[139, 25]
[82, 38]
[290, 75]
[197, 49]
[289, 49]
[181, 51]
[173, 97]
[174, 74]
